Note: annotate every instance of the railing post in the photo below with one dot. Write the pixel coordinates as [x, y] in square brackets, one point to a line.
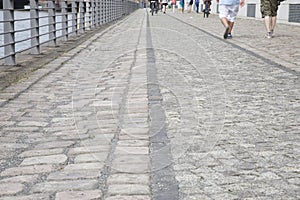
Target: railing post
[81, 17]
[120, 8]
[110, 11]
[106, 10]
[94, 15]
[74, 17]
[34, 23]
[114, 9]
[101, 11]
[64, 20]
[97, 13]
[9, 30]
[52, 22]
[88, 14]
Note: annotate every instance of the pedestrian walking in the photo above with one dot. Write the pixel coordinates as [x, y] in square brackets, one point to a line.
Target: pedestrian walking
[174, 5]
[197, 6]
[190, 6]
[268, 9]
[182, 5]
[228, 10]
[164, 4]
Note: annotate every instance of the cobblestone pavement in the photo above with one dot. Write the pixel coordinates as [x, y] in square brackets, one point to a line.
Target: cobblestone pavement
[158, 107]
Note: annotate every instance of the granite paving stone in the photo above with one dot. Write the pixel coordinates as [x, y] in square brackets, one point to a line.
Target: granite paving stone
[56, 186]
[158, 107]
[82, 195]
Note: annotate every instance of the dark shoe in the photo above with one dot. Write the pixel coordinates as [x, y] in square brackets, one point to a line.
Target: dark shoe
[226, 32]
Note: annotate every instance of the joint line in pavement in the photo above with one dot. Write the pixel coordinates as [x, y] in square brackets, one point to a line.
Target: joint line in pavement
[163, 182]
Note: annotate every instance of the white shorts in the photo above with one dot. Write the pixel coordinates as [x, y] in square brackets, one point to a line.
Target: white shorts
[228, 11]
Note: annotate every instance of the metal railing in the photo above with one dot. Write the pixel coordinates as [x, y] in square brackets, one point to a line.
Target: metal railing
[47, 24]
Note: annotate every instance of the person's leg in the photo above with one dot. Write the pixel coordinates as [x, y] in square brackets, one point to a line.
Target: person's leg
[267, 23]
[233, 11]
[223, 14]
[274, 8]
[273, 24]
[230, 26]
[224, 21]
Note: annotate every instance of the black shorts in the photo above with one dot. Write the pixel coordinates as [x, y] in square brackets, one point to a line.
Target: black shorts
[165, 4]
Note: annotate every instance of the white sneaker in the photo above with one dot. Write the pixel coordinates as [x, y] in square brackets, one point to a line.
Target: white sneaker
[268, 35]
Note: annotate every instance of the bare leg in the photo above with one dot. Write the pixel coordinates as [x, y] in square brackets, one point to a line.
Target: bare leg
[267, 23]
[230, 26]
[273, 24]
[224, 22]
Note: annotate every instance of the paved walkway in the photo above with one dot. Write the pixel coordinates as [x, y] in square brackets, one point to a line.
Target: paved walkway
[158, 107]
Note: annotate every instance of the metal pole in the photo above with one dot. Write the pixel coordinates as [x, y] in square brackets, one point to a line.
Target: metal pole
[74, 17]
[106, 10]
[114, 9]
[93, 9]
[101, 12]
[52, 22]
[81, 15]
[97, 13]
[9, 30]
[64, 20]
[34, 22]
[88, 14]
[110, 11]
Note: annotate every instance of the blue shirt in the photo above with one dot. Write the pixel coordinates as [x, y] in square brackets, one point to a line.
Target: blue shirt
[229, 2]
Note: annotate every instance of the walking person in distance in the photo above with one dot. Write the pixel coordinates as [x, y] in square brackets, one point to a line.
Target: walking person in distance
[181, 3]
[197, 6]
[228, 10]
[190, 6]
[268, 9]
[164, 4]
[174, 5]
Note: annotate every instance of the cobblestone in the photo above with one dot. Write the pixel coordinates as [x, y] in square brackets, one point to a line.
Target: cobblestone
[83, 195]
[220, 117]
[27, 170]
[128, 189]
[10, 188]
[53, 159]
[56, 186]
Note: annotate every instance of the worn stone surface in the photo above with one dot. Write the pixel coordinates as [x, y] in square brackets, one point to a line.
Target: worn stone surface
[82, 195]
[80, 127]
[10, 188]
[128, 189]
[55, 186]
[52, 159]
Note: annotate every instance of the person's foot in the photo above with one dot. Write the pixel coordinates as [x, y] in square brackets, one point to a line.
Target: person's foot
[268, 35]
[272, 33]
[229, 36]
[226, 32]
